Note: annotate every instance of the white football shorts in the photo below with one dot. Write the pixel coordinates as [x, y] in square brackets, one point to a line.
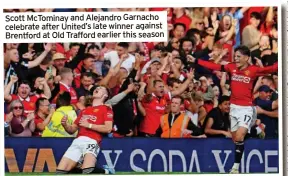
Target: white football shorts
[242, 116]
[81, 146]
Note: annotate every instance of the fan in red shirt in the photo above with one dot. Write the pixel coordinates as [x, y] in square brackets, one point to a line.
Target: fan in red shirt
[23, 93]
[73, 50]
[65, 85]
[181, 17]
[242, 111]
[43, 114]
[153, 105]
[91, 124]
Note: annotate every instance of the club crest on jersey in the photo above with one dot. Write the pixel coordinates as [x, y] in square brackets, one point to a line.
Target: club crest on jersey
[163, 101]
[247, 72]
[95, 110]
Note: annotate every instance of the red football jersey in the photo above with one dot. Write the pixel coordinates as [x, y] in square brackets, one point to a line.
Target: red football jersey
[37, 121]
[71, 90]
[96, 115]
[154, 110]
[28, 103]
[241, 80]
[184, 19]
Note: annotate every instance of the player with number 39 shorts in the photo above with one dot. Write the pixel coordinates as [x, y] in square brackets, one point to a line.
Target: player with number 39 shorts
[91, 123]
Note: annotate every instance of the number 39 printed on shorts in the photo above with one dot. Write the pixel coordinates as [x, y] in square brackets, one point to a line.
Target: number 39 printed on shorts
[92, 148]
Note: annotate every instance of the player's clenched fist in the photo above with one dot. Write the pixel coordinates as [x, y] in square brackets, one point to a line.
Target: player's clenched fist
[191, 58]
[13, 78]
[64, 120]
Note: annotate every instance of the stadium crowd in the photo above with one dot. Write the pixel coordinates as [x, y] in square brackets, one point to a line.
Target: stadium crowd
[45, 82]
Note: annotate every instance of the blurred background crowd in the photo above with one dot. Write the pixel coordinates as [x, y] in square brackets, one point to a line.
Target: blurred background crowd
[46, 81]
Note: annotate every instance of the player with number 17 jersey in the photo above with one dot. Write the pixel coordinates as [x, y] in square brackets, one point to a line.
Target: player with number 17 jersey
[241, 80]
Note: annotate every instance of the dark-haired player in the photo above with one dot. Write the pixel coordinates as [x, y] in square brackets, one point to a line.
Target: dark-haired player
[242, 111]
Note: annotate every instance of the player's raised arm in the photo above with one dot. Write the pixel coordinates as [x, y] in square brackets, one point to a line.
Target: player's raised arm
[266, 70]
[207, 64]
[184, 86]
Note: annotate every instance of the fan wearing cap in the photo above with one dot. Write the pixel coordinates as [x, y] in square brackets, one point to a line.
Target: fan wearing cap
[268, 81]
[59, 61]
[267, 111]
[91, 123]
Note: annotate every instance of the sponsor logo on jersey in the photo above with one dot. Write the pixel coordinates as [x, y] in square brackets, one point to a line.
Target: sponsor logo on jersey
[110, 115]
[160, 107]
[241, 78]
[89, 117]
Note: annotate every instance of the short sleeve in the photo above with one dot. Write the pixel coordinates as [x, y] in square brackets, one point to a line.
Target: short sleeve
[108, 116]
[212, 114]
[34, 98]
[14, 97]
